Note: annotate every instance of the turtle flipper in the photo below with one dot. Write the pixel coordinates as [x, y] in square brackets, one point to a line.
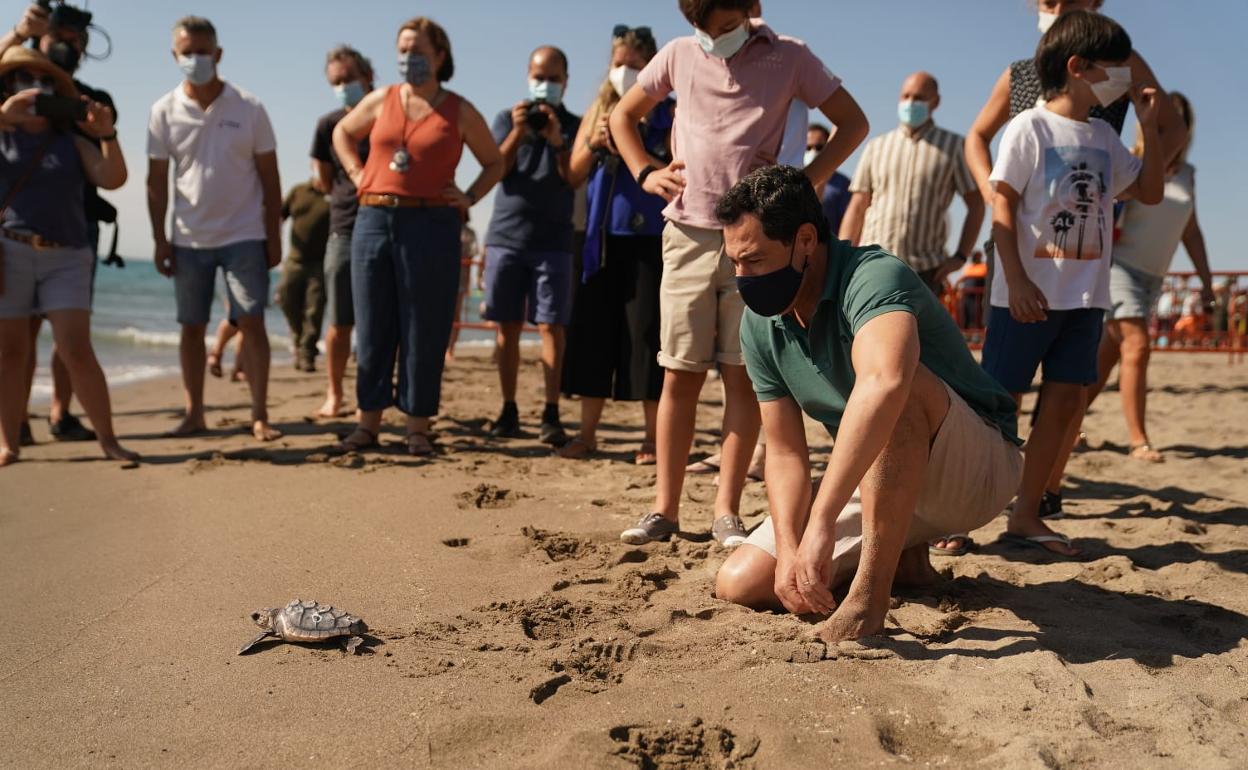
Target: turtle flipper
[351, 644]
[259, 638]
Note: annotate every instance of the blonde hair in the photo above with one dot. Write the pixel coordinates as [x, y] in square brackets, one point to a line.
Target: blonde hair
[1183, 106]
[607, 98]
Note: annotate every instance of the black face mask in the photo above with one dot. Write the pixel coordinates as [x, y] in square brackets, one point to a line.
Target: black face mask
[772, 293]
[65, 56]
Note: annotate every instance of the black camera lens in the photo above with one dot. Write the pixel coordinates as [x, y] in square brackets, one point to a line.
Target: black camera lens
[534, 117]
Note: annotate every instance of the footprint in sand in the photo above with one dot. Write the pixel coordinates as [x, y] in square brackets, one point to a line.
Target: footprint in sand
[691, 745]
[488, 496]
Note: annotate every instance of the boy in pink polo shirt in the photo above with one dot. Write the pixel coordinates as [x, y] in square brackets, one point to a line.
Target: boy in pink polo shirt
[734, 80]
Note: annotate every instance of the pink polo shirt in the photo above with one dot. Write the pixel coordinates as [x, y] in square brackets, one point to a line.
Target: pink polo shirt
[730, 115]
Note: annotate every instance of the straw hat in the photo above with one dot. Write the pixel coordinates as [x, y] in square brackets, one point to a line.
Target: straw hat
[21, 57]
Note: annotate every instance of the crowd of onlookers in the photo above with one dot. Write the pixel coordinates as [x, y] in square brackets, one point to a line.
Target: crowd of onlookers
[691, 220]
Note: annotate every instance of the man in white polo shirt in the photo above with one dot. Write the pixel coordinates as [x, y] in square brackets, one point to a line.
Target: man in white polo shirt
[226, 213]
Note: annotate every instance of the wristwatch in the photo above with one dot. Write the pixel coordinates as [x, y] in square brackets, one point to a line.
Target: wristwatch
[645, 172]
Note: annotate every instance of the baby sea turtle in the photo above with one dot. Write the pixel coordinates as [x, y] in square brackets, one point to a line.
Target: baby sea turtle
[308, 621]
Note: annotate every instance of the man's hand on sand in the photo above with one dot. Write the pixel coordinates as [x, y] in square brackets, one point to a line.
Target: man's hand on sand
[786, 585]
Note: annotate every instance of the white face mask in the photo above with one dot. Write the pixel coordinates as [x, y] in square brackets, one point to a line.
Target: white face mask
[622, 78]
[1114, 86]
[199, 68]
[810, 156]
[727, 44]
[1046, 21]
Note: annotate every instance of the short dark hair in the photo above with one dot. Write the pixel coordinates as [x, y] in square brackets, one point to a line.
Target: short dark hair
[698, 11]
[438, 38]
[1087, 35]
[348, 55]
[820, 128]
[196, 25]
[782, 198]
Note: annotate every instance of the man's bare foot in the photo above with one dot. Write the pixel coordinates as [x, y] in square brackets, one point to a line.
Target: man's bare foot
[914, 568]
[853, 620]
[330, 409]
[190, 426]
[115, 451]
[263, 431]
[8, 457]
[238, 375]
[214, 365]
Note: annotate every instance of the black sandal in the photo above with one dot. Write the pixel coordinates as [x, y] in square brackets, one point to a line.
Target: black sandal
[348, 444]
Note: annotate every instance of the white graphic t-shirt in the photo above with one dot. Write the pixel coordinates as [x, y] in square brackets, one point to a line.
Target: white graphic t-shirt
[1067, 174]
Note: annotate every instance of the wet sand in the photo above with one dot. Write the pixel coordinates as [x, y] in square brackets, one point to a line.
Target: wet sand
[510, 628]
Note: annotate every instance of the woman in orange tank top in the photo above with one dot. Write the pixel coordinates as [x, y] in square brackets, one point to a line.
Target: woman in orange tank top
[405, 247]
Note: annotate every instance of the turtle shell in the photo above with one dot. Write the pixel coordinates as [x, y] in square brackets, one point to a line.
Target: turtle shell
[310, 621]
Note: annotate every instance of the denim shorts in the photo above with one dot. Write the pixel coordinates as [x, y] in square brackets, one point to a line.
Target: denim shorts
[340, 310]
[246, 269]
[44, 280]
[1133, 293]
[542, 280]
[1065, 343]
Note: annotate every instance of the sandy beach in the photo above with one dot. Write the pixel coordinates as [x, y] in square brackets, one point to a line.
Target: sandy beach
[510, 627]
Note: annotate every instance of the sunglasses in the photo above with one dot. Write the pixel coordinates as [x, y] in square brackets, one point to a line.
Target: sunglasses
[621, 30]
[815, 147]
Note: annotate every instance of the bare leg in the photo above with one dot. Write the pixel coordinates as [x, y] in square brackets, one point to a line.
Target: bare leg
[193, 357]
[225, 331]
[507, 347]
[1060, 402]
[740, 432]
[553, 342]
[1133, 379]
[677, 419]
[256, 356]
[72, 331]
[651, 411]
[62, 388]
[591, 415]
[337, 350]
[32, 361]
[1107, 359]
[15, 354]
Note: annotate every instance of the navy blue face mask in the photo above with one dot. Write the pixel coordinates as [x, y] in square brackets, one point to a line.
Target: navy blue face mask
[772, 293]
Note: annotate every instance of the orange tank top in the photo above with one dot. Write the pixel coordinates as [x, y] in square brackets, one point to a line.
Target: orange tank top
[433, 146]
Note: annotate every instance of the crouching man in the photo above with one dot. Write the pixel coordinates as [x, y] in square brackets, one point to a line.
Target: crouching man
[925, 440]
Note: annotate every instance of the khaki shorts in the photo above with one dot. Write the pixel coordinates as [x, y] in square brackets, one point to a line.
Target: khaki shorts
[972, 473]
[699, 307]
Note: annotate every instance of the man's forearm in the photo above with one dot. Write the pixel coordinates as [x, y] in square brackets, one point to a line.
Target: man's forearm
[509, 148]
[157, 206]
[788, 497]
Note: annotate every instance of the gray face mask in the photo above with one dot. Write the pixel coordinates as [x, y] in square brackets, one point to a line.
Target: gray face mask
[415, 69]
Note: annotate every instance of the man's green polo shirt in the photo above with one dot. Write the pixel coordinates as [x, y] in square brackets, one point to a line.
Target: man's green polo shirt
[814, 365]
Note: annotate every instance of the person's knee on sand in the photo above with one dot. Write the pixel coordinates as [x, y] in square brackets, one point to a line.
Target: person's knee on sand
[748, 578]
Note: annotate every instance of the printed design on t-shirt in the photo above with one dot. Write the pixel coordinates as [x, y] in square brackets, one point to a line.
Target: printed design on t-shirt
[1072, 222]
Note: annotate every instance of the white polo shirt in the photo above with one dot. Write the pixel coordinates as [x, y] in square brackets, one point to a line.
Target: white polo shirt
[217, 194]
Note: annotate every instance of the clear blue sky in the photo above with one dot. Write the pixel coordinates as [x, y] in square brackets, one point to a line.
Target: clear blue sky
[276, 48]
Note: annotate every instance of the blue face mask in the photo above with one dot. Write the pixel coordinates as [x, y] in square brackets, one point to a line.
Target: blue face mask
[199, 68]
[727, 44]
[349, 94]
[913, 113]
[415, 69]
[546, 91]
[772, 293]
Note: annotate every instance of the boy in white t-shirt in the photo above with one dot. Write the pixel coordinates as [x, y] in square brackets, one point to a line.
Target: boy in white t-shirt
[1055, 182]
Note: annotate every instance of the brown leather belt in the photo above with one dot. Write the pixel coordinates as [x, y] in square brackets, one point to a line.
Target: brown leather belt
[401, 201]
[32, 239]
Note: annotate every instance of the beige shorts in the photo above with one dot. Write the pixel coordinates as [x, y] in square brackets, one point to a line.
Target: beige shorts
[699, 307]
[972, 473]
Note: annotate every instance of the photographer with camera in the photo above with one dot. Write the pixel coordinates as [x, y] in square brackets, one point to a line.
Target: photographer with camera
[61, 33]
[529, 243]
[45, 258]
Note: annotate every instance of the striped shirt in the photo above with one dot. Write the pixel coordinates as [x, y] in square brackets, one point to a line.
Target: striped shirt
[912, 179]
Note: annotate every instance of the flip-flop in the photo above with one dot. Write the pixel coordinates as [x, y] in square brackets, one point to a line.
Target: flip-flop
[576, 449]
[1036, 542]
[419, 445]
[347, 445]
[967, 543]
[703, 466]
[1146, 453]
[647, 455]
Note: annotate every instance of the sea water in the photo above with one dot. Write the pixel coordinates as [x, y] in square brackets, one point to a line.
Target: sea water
[135, 332]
